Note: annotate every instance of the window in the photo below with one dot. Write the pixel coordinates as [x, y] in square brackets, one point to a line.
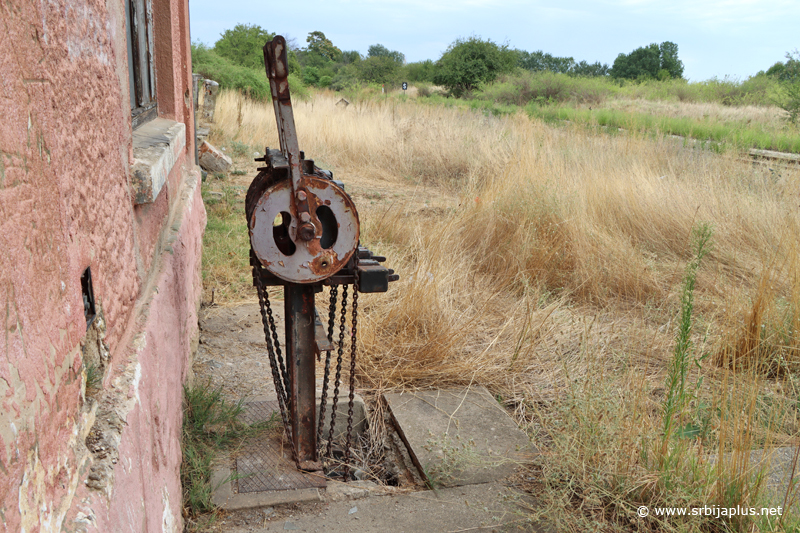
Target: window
[141, 71]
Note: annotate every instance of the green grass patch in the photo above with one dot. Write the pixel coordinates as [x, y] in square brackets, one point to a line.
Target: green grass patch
[522, 87]
[734, 134]
[226, 245]
[210, 426]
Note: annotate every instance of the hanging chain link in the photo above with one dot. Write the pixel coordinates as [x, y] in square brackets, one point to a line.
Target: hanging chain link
[340, 353]
[324, 396]
[281, 390]
[280, 376]
[353, 333]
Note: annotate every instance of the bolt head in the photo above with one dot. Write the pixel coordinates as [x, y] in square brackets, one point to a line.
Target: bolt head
[305, 217]
[301, 196]
[307, 232]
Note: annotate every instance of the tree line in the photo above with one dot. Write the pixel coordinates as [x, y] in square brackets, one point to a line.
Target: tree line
[466, 62]
[236, 61]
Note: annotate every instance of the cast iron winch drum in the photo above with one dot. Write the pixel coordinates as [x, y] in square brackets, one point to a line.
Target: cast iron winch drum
[276, 230]
[304, 233]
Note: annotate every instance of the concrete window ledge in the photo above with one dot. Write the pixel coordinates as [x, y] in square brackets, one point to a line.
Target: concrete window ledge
[157, 145]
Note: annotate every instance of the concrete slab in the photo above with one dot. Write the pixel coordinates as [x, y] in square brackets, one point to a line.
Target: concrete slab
[459, 437]
[487, 507]
[224, 497]
[782, 474]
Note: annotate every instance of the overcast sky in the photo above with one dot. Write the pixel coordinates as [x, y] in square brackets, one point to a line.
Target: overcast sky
[715, 37]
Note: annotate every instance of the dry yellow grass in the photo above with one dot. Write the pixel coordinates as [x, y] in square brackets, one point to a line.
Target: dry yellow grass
[552, 274]
[770, 117]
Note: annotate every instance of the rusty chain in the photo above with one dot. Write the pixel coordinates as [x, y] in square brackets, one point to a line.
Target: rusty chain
[269, 323]
[340, 353]
[324, 396]
[354, 330]
[280, 375]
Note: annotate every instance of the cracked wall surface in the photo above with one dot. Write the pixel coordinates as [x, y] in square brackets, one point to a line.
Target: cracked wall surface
[108, 460]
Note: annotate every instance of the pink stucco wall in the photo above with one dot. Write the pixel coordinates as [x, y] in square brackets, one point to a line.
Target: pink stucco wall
[66, 204]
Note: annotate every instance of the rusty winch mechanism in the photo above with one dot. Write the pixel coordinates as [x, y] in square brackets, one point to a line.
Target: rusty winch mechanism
[304, 234]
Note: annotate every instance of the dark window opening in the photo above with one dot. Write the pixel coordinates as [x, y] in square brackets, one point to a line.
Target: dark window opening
[88, 297]
[141, 70]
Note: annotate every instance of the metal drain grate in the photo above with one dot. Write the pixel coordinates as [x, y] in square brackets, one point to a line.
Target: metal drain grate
[254, 412]
[266, 464]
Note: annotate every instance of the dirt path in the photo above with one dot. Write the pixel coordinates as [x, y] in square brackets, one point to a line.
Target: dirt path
[232, 351]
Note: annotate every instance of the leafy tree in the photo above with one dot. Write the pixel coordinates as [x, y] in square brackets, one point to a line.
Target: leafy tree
[350, 57]
[644, 62]
[294, 63]
[311, 76]
[540, 61]
[243, 45]
[648, 62]
[378, 50]
[775, 70]
[669, 59]
[320, 45]
[346, 77]
[786, 71]
[583, 68]
[790, 86]
[469, 62]
[381, 65]
[378, 69]
[420, 71]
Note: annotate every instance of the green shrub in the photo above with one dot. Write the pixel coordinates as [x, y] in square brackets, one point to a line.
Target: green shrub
[298, 90]
[790, 100]
[469, 62]
[240, 149]
[424, 89]
[421, 71]
[210, 65]
[243, 45]
[345, 78]
[383, 70]
[310, 76]
[545, 87]
[250, 82]
[789, 93]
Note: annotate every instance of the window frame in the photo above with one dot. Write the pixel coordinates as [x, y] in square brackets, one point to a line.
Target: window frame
[141, 64]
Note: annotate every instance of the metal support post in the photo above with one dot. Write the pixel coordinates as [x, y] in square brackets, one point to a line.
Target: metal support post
[300, 341]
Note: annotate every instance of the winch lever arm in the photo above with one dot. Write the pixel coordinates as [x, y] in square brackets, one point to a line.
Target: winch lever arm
[277, 68]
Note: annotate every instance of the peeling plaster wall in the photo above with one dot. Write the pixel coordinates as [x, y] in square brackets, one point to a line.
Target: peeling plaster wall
[66, 204]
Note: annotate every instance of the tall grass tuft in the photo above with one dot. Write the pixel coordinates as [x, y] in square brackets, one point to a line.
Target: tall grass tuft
[683, 355]
[768, 339]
